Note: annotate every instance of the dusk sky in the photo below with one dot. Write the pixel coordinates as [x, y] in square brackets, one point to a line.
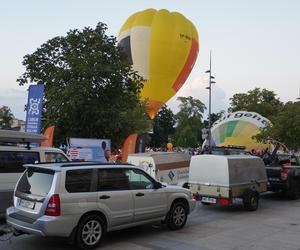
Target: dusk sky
[254, 43]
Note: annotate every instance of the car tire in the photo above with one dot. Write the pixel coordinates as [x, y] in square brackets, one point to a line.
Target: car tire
[293, 192]
[177, 216]
[90, 232]
[250, 200]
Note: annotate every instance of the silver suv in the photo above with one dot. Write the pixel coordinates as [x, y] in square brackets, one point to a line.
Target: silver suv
[83, 201]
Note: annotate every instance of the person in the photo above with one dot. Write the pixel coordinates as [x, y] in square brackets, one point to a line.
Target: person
[107, 155]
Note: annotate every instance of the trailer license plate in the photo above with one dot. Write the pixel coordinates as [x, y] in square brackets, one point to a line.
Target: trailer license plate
[26, 204]
[209, 200]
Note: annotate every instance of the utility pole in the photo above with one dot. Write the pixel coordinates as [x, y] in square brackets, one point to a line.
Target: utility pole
[209, 100]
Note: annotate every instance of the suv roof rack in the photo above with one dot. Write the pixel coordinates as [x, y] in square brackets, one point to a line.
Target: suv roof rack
[12, 136]
[82, 163]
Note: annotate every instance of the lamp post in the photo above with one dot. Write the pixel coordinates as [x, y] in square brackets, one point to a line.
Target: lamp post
[209, 100]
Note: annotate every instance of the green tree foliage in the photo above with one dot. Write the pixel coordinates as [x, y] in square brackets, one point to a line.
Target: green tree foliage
[163, 127]
[90, 90]
[286, 127]
[189, 122]
[264, 102]
[214, 117]
[6, 117]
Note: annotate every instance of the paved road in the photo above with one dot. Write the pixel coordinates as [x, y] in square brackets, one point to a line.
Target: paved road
[275, 225]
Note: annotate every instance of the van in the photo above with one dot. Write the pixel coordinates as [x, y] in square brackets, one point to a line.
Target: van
[16, 150]
[168, 167]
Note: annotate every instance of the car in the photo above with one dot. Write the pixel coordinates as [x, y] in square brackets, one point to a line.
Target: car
[84, 200]
[283, 171]
[15, 150]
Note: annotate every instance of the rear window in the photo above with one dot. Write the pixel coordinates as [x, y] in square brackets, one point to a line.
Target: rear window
[36, 181]
[78, 181]
[12, 161]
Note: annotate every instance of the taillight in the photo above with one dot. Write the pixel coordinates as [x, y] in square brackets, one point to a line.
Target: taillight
[196, 197]
[224, 201]
[284, 174]
[53, 207]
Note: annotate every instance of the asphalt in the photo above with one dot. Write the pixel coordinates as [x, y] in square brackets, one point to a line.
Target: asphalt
[275, 225]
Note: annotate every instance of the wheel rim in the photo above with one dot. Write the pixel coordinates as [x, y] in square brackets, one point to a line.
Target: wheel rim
[179, 216]
[253, 201]
[91, 232]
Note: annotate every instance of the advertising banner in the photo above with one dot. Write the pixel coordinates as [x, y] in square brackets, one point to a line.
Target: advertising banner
[88, 149]
[34, 109]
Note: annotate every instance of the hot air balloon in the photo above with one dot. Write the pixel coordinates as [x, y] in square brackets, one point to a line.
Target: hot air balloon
[162, 47]
[237, 129]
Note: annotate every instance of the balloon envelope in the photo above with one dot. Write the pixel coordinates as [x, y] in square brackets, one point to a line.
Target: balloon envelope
[238, 128]
[162, 46]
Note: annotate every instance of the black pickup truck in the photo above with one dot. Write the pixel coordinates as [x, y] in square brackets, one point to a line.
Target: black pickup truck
[283, 171]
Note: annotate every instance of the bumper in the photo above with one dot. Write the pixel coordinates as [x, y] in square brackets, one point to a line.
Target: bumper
[275, 186]
[43, 226]
[192, 204]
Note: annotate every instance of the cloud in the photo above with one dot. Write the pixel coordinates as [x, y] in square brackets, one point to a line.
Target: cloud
[15, 99]
[197, 89]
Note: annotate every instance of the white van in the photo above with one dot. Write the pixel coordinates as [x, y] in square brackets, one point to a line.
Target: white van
[15, 150]
[169, 167]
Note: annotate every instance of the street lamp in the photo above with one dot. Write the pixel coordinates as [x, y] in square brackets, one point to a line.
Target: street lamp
[209, 100]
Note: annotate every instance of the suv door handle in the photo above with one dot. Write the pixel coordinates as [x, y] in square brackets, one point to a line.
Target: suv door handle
[104, 197]
[139, 194]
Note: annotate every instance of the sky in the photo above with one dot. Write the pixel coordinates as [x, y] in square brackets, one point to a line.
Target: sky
[254, 43]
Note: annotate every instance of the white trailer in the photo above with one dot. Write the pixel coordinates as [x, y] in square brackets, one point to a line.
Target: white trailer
[168, 167]
[228, 179]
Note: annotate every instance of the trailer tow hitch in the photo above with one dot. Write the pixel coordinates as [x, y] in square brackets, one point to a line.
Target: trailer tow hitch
[6, 234]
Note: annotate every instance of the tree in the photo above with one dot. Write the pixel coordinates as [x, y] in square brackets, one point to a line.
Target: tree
[264, 102]
[6, 117]
[189, 122]
[90, 89]
[163, 127]
[214, 117]
[286, 127]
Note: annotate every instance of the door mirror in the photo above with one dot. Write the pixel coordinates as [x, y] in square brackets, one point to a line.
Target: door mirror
[158, 185]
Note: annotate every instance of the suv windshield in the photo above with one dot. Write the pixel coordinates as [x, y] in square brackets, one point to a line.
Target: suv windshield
[36, 181]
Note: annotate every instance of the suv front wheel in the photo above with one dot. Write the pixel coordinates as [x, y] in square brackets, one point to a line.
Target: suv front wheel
[177, 216]
[90, 232]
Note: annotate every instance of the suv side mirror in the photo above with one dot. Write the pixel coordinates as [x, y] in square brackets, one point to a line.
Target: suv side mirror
[157, 185]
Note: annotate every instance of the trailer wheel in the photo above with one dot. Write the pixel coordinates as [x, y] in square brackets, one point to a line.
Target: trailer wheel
[250, 200]
[293, 192]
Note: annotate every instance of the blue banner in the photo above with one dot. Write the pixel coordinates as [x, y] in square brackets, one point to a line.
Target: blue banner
[34, 108]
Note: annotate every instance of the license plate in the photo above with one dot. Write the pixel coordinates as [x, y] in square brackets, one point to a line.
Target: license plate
[238, 201]
[26, 204]
[209, 200]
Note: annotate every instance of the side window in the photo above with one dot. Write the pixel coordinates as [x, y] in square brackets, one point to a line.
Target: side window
[12, 161]
[55, 157]
[79, 180]
[138, 180]
[112, 180]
